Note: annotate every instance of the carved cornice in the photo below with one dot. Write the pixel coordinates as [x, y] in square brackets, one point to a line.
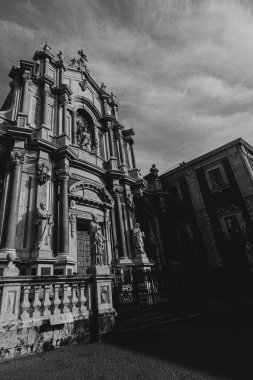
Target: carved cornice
[129, 200]
[17, 158]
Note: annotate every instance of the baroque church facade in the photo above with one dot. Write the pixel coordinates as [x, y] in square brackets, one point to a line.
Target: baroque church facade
[66, 160]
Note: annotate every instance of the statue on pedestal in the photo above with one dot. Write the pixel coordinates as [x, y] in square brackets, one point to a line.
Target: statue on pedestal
[83, 136]
[96, 242]
[44, 220]
[138, 240]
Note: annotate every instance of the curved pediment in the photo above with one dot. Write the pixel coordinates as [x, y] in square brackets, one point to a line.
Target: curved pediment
[86, 193]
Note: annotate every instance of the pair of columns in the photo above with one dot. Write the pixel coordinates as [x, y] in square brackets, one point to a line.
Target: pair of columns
[121, 147]
[17, 159]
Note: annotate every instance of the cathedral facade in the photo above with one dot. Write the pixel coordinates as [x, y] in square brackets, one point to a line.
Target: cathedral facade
[66, 160]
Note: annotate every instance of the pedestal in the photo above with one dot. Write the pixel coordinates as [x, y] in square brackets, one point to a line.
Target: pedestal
[11, 270]
[125, 261]
[104, 316]
[98, 269]
[63, 140]
[113, 164]
[44, 132]
[22, 120]
[64, 265]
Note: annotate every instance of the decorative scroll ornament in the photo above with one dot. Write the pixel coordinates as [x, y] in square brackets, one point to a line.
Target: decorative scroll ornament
[130, 201]
[72, 221]
[17, 158]
[43, 172]
[83, 84]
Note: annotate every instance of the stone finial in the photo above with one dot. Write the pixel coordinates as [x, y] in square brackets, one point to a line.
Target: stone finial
[82, 55]
[74, 62]
[154, 171]
[60, 55]
[112, 97]
[103, 86]
[47, 48]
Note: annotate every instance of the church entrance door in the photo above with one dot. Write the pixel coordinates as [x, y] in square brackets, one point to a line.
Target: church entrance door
[83, 247]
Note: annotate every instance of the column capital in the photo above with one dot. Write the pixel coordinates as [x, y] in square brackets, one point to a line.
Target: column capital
[27, 77]
[118, 133]
[64, 99]
[62, 174]
[130, 141]
[117, 192]
[46, 90]
[17, 158]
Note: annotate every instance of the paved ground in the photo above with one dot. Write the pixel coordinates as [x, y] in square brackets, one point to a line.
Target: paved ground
[216, 346]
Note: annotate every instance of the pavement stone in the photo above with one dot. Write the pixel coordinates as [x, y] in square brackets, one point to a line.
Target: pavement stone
[210, 347]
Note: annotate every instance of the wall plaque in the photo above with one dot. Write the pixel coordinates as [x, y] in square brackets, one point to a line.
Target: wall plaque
[61, 318]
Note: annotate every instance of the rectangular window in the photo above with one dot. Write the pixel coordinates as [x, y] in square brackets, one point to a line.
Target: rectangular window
[216, 177]
[175, 193]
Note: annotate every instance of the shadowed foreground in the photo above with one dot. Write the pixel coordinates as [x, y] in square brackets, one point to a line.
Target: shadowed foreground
[215, 346]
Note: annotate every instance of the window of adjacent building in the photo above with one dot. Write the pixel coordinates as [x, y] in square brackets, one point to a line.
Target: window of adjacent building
[175, 193]
[216, 178]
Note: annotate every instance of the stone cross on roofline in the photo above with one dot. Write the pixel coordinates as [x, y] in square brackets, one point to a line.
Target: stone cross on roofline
[82, 55]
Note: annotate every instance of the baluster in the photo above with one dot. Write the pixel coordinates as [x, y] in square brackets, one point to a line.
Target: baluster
[82, 299]
[56, 301]
[25, 305]
[74, 299]
[36, 302]
[46, 303]
[65, 300]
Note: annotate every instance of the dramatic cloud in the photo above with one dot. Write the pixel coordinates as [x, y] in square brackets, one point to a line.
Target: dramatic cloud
[182, 70]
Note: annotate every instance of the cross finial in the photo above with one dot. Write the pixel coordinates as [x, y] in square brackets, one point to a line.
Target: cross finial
[82, 55]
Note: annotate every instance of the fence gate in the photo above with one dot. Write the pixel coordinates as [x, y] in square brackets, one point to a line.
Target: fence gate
[137, 291]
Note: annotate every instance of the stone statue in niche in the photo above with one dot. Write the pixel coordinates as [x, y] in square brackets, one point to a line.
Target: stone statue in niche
[138, 240]
[97, 241]
[83, 136]
[44, 221]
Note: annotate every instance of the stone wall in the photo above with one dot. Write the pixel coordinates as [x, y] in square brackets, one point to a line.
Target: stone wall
[16, 339]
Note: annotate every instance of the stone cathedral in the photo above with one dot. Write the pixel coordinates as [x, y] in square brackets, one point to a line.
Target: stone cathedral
[66, 160]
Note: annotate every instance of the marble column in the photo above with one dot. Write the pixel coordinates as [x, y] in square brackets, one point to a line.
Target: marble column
[45, 105]
[74, 141]
[111, 142]
[63, 215]
[131, 143]
[123, 164]
[121, 225]
[25, 93]
[64, 116]
[95, 143]
[17, 160]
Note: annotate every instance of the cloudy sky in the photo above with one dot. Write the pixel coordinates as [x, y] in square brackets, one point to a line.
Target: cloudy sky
[182, 70]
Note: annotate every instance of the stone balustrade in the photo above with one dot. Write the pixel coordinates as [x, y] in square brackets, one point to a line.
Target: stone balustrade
[35, 299]
[39, 313]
